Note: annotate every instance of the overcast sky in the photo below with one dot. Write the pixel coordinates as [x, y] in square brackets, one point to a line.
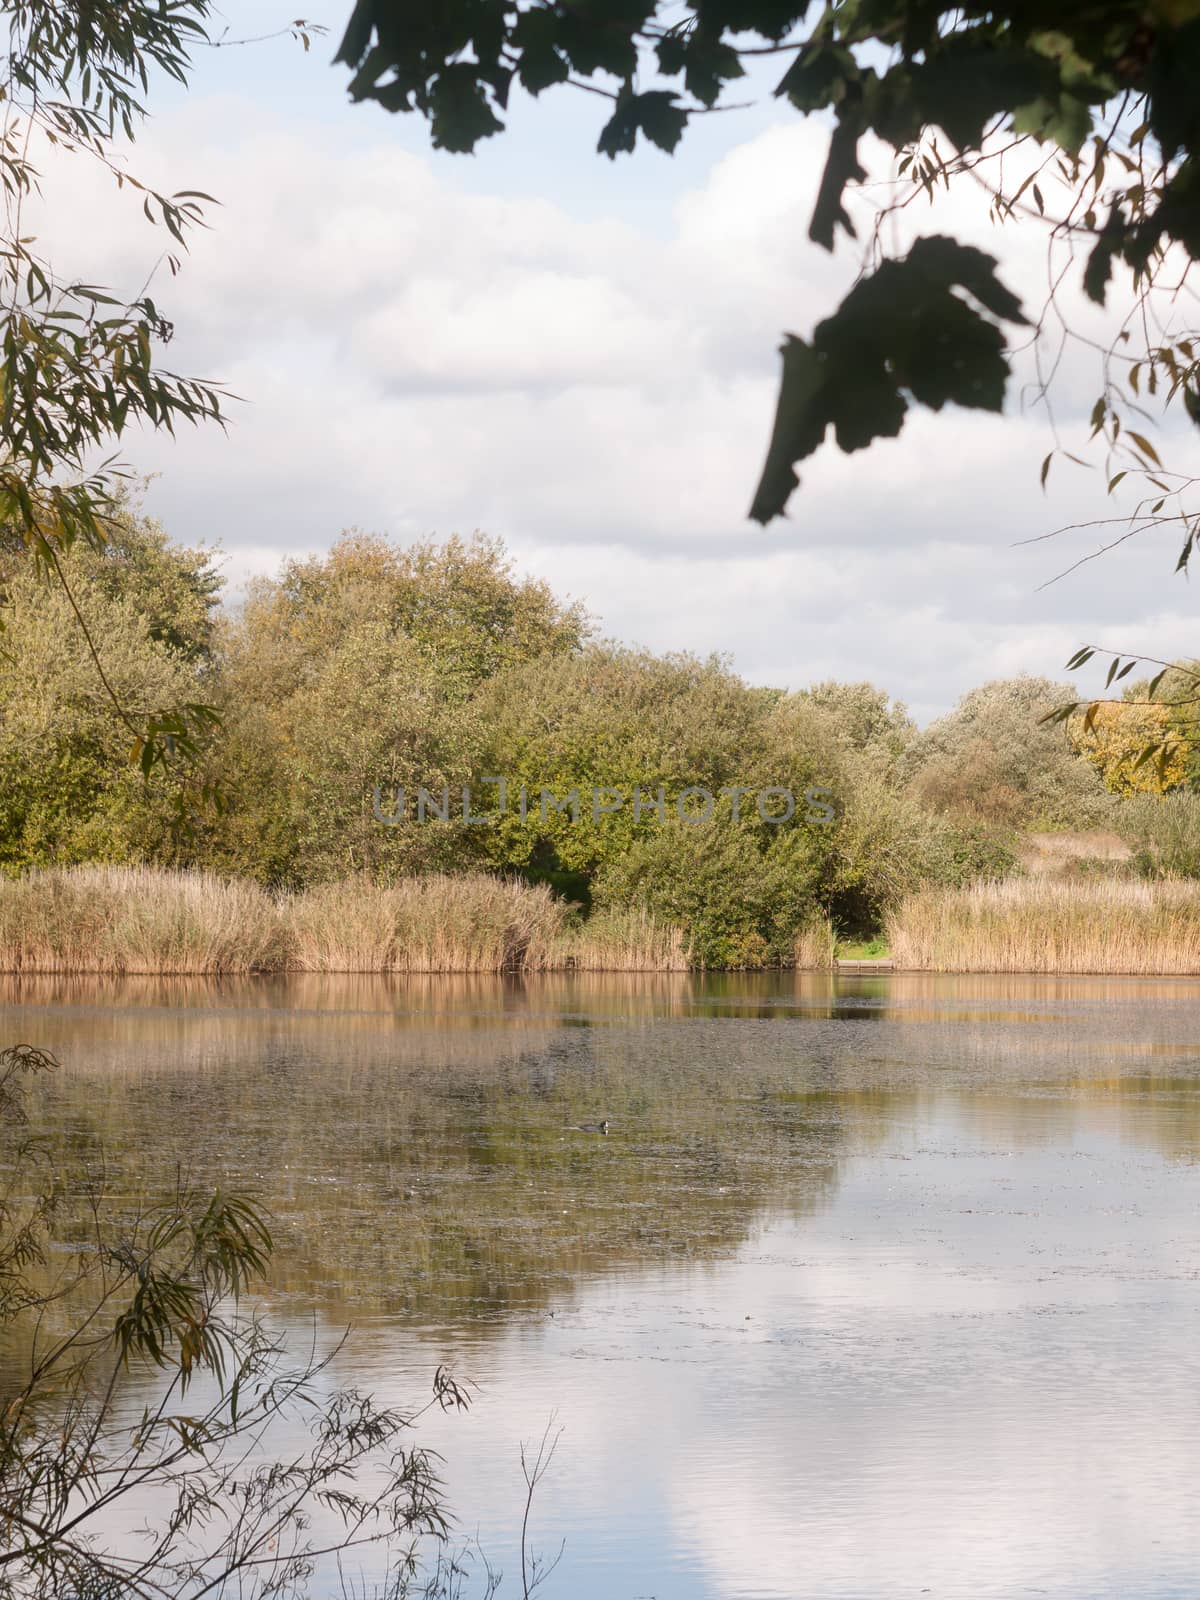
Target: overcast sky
[580, 356]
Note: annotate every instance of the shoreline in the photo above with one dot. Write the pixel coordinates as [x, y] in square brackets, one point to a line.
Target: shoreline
[840, 969]
[150, 922]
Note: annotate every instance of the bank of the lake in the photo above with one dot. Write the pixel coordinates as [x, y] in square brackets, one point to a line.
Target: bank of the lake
[143, 920]
[1118, 925]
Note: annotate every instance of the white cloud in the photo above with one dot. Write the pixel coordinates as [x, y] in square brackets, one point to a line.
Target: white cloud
[419, 357]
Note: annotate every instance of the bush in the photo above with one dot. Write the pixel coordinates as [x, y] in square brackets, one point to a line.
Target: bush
[1164, 834]
[887, 844]
[740, 900]
[992, 759]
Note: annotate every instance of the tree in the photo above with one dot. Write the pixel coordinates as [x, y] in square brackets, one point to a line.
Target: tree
[358, 672]
[866, 717]
[1102, 99]
[174, 589]
[460, 603]
[993, 758]
[79, 365]
[620, 719]
[68, 791]
[1114, 739]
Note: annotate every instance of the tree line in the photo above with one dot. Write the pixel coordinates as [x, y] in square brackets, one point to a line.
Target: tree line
[378, 667]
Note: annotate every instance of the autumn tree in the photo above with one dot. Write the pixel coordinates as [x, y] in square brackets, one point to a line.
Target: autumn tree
[1115, 738]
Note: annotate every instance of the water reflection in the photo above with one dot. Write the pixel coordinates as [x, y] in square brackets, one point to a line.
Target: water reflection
[879, 1285]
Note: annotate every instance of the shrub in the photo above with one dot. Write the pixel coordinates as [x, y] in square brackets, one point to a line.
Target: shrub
[1164, 833]
[991, 758]
[739, 897]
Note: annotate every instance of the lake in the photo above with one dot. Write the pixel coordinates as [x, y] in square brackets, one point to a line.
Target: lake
[877, 1286]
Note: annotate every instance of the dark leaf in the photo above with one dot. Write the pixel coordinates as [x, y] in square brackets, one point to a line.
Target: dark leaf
[842, 166]
[654, 113]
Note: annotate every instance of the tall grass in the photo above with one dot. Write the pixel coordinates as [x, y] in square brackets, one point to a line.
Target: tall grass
[1031, 925]
[1164, 831]
[816, 945]
[439, 923]
[127, 920]
[628, 941]
[137, 920]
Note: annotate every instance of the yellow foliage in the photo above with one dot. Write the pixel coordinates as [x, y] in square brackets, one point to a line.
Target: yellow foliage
[1116, 739]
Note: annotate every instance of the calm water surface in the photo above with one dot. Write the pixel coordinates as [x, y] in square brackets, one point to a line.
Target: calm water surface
[878, 1287]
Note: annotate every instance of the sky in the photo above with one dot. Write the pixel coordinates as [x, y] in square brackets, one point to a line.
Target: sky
[581, 357]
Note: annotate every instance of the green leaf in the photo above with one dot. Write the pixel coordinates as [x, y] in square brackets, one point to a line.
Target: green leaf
[460, 114]
[902, 331]
[655, 114]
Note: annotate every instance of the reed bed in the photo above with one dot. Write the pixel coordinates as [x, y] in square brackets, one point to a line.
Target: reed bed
[141, 920]
[628, 941]
[440, 923]
[1031, 925]
[137, 920]
[815, 946]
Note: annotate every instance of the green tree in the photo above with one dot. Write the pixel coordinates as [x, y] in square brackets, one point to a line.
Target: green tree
[68, 791]
[174, 589]
[739, 891]
[620, 720]
[358, 672]
[992, 757]
[79, 366]
[867, 718]
[459, 602]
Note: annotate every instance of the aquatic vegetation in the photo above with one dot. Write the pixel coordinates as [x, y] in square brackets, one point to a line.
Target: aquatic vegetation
[1044, 925]
[137, 919]
[130, 920]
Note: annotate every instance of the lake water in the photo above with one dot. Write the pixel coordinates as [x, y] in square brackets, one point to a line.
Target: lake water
[878, 1286]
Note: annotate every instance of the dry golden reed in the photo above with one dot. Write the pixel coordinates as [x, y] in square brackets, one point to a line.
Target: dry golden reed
[127, 920]
[136, 920]
[815, 946]
[628, 941]
[1041, 925]
[439, 923]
